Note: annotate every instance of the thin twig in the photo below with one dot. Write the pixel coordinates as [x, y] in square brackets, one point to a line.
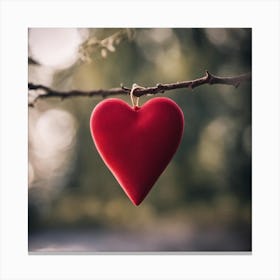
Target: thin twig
[46, 92]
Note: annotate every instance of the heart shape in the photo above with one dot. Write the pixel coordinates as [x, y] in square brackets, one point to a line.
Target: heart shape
[137, 143]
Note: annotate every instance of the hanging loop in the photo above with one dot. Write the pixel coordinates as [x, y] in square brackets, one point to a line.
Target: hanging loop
[136, 101]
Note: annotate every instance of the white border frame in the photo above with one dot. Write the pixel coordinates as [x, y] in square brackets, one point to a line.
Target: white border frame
[262, 16]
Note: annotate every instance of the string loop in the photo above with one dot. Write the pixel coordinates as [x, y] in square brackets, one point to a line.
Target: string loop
[136, 101]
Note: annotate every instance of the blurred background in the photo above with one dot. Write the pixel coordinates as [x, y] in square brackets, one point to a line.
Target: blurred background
[202, 201]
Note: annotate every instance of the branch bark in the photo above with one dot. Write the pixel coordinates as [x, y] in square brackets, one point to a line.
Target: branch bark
[43, 92]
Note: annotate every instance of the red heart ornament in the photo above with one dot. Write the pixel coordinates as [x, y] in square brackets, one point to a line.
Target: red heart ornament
[137, 143]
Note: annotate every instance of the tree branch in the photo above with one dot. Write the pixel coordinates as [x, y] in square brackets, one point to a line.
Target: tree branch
[46, 92]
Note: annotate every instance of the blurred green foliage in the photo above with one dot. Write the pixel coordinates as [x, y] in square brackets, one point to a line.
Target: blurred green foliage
[208, 184]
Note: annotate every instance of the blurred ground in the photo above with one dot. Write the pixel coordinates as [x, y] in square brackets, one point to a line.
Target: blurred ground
[189, 240]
